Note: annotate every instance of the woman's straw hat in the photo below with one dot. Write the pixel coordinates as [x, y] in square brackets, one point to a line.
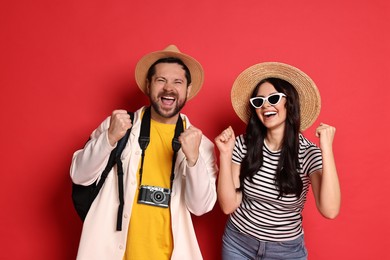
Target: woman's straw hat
[196, 70]
[309, 96]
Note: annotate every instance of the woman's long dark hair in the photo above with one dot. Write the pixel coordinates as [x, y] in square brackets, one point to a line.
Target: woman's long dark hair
[287, 178]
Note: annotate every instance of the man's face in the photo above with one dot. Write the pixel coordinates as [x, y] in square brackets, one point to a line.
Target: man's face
[168, 91]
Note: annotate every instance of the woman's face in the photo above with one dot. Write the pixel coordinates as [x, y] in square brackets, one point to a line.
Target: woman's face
[272, 116]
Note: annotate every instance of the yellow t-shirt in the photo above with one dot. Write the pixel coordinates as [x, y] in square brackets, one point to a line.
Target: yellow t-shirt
[150, 233]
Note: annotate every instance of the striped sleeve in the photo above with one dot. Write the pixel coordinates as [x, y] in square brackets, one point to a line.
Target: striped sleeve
[239, 150]
[310, 156]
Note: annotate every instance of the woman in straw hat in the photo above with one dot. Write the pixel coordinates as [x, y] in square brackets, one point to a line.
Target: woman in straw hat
[265, 173]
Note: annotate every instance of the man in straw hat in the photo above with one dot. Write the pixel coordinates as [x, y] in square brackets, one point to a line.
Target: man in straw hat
[169, 169]
[265, 173]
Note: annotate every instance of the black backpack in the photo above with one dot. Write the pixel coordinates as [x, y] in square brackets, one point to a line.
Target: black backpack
[83, 196]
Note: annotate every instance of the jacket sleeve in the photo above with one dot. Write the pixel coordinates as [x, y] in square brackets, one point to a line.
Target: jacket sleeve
[200, 190]
[88, 163]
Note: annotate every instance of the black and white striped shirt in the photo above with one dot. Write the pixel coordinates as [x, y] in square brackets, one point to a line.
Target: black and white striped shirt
[261, 213]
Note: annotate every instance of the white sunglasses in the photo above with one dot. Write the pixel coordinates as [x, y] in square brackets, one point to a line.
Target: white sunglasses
[273, 100]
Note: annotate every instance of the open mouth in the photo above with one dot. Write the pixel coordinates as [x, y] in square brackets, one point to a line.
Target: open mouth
[167, 100]
[269, 114]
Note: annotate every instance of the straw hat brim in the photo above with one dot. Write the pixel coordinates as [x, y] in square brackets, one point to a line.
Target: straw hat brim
[195, 68]
[309, 96]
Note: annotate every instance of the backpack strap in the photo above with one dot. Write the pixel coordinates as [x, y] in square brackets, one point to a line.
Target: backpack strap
[119, 149]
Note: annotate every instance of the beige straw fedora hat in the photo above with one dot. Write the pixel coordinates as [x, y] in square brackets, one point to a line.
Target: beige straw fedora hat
[196, 70]
[309, 96]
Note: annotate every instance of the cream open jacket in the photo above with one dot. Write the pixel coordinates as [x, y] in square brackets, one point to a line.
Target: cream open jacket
[193, 192]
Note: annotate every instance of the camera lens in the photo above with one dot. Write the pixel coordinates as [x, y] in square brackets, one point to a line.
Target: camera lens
[158, 196]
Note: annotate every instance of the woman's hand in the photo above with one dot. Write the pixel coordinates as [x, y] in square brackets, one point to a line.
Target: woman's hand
[326, 134]
[225, 140]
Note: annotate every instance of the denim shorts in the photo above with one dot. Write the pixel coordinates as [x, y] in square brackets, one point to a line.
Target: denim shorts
[236, 245]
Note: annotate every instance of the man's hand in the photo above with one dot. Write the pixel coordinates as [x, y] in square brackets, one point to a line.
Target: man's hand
[190, 142]
[120, 122]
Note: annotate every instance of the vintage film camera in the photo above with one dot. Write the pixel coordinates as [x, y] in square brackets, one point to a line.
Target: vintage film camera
[155, 196]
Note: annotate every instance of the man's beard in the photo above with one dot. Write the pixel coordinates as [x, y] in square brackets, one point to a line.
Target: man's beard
[178, 107]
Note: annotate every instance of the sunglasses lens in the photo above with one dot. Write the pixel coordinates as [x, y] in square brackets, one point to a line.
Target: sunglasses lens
[274, 99]
[257, 102]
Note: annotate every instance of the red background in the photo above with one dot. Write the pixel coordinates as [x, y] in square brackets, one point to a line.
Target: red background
[65, 65]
